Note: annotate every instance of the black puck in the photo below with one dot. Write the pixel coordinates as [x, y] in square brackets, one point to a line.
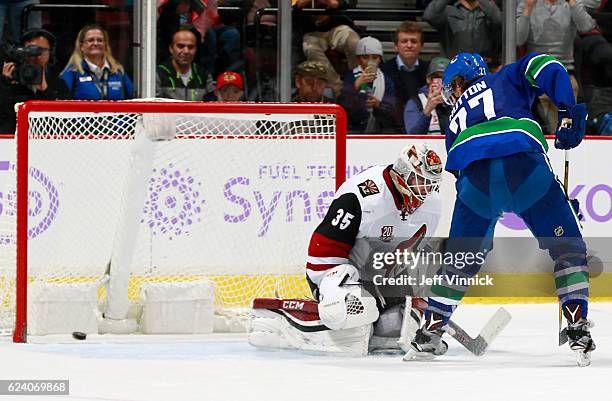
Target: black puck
[78, 335]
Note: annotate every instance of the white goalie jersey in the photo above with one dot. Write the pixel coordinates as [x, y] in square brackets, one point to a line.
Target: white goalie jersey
[380, 211]
[369, 216]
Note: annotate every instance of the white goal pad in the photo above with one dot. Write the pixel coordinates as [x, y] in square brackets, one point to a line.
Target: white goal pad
[59, 308]
[229, 193]
[177, 308]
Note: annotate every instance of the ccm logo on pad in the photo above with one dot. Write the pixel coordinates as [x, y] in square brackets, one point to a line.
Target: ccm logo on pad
[293, 305]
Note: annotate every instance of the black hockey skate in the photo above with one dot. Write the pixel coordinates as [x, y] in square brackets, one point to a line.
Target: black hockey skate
[428, 343]
[578, 333]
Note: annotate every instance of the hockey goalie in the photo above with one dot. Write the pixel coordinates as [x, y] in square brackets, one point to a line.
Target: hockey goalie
[359, 304]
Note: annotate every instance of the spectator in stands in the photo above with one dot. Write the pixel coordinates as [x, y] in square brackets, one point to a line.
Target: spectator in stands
[179, 77]
[222, 48]
[261, 59]
[12, 91]
[11, 10]
[310, 82]
[368, 93]
[406, 69]
[426, 113]
[550, 26]
[172, 15]
[594, 61]
[230, 87]
[472, 26]
[220, 44]
[328, 32]
[92, 73]
[601, 124]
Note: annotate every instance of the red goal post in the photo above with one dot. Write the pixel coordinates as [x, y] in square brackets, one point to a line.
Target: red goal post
[78, 152]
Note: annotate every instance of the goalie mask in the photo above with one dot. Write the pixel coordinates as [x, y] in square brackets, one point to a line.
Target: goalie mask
[416, 173]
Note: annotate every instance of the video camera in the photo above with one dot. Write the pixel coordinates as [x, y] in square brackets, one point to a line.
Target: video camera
[24, 73]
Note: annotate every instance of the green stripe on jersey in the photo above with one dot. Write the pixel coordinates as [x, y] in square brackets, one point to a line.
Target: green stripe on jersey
[501, 126]
[536, 65]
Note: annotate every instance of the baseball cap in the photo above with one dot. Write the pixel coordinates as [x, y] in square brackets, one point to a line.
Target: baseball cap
[229, 78]
[437, 64]
[311, 68]
[369, 45]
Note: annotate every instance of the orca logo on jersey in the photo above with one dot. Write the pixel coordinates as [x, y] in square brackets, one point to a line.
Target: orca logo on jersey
[367, 188]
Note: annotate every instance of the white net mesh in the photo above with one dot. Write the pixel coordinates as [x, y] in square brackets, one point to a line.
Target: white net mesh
[8, 226]
[233, 198]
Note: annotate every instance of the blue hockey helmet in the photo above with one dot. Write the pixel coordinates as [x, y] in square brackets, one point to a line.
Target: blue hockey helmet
[469, 66]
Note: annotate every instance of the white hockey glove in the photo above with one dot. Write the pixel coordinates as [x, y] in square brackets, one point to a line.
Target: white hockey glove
[343, 303]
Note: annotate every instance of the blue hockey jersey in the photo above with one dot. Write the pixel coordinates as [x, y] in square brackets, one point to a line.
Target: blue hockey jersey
[493, 118]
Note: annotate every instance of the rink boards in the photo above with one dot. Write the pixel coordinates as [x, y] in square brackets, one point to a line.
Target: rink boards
[590, 182]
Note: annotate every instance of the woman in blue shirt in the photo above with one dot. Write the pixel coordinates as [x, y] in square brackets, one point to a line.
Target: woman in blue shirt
[92, 72]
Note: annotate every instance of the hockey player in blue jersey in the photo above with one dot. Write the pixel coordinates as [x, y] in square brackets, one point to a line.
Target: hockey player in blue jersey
[497, 151]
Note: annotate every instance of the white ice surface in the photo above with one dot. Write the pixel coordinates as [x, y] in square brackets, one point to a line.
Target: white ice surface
[523, 364]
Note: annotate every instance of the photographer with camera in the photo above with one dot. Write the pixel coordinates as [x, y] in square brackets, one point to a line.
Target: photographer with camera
[26, 75]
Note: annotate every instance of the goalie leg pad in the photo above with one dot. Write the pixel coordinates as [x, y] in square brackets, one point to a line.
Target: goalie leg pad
[412, 320]
[280, 329]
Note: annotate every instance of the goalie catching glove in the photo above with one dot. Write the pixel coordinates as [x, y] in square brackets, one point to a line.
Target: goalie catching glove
[341, 322]
[571, 126]
[343, 303]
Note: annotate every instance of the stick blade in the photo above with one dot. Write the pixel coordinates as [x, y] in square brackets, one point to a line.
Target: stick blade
[563, 336]
[496, 324]
[479, 345]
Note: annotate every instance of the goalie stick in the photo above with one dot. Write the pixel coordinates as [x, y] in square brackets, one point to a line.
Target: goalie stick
[476, 346]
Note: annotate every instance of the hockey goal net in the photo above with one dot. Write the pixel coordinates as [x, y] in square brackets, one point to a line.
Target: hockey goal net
[229, 192]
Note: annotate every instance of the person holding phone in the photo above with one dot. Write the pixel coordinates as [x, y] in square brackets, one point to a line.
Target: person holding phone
[427, 113]
[368, 93]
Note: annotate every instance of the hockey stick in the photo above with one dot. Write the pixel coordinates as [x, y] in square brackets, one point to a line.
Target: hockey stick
[563, 331]
[476, 346]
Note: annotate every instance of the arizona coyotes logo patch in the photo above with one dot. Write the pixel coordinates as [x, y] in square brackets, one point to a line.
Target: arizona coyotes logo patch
[386, 233]
[434, 164]
[367, 188]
